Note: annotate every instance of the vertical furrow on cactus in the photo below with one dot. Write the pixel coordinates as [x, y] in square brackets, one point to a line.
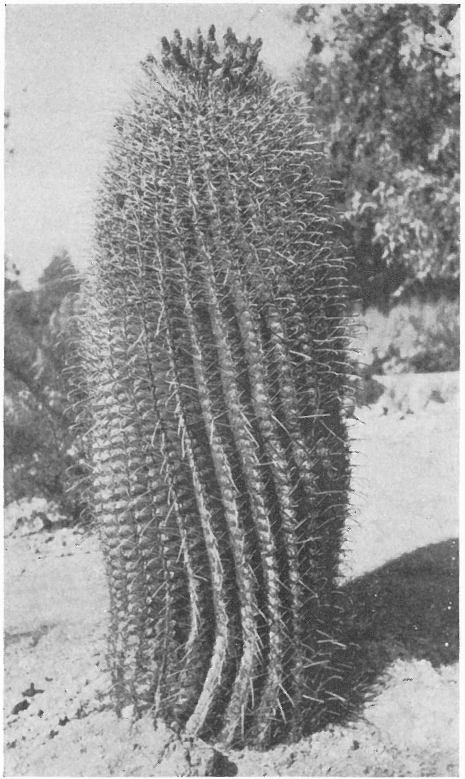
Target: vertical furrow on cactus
[244, 441]
[283, 487]
[212, 530]
[237, 538]
[251, 651]
[302, 358]
[321, 541]
[162, 551]
[137, 528]
[292, 416]
[176, 507]
[101, 493]
[253, 484]
[157, 516]
[161, 512]
[297, 444]
[213, 533]
[267, 263]
[308, 529]
[238, 414]
[179, 478]
[270, 696]
[126, 508]
[103, 507]
[244, 576]
[288, 396]
[114, 541]
[329, 430]
[212, 682]
[188, 411]
[221, 640]
[219, 654]
[196, 441]
[325, 311]
[301, 470]
[179, 498]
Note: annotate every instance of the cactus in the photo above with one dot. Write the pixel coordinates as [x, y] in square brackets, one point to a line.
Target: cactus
[216, 356]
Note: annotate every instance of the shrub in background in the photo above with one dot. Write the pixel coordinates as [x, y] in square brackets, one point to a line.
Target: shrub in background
[216, 356]
[43, 454]
[384, 88]
[418, 336]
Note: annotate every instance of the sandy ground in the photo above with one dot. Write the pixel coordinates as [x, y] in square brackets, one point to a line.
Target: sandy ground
[399, 569]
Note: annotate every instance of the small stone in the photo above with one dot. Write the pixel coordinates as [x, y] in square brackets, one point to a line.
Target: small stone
[21, 706]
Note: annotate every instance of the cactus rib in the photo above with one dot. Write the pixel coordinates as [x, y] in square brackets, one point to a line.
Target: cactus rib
[244, 574]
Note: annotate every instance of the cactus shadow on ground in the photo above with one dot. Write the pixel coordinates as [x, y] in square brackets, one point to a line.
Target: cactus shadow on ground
[405, 609]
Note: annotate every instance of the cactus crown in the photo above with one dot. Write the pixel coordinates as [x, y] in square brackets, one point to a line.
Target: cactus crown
[199, 60]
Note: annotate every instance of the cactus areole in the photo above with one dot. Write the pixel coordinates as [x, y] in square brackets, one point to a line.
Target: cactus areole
[216, 362]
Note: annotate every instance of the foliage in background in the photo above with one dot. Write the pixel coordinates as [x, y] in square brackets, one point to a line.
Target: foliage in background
[43, 455]
[383, 81]
[417, 336]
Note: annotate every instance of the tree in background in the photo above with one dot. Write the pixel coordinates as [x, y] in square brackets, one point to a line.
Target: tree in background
[383, 82]
[43, 453]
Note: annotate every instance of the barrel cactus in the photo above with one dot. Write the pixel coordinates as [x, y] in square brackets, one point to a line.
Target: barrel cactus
[216, 360]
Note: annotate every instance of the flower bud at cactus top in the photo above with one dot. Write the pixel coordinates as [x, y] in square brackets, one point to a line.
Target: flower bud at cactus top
[217, 364]
[201, 59]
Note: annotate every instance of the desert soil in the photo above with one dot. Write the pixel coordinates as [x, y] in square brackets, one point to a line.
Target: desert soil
[58, 721]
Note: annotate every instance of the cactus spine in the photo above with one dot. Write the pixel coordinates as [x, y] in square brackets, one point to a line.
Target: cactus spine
[216, 340]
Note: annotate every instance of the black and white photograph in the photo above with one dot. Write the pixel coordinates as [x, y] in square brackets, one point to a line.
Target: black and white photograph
[231, 389]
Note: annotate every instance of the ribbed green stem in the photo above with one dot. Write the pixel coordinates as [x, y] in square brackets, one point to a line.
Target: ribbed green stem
[292, 417]
[168, 409]
[245, 577]
[212, 682]
[244, 573]
[243, 441]
[162, 509]
[211, 685]
[124, 534]
[216, 378]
